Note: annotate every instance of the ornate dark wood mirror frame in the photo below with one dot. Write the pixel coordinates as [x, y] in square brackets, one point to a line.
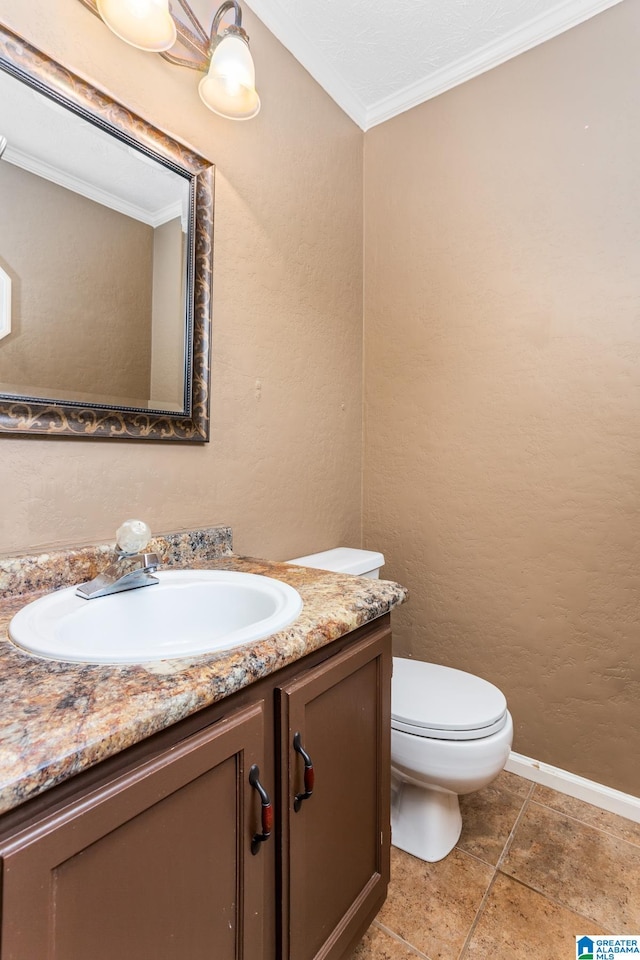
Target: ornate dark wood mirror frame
[37, 415]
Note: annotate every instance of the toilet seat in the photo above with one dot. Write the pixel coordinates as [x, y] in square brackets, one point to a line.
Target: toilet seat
[429, 700]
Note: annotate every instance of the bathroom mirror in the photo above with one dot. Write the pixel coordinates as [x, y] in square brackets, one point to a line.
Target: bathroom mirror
[105, 259]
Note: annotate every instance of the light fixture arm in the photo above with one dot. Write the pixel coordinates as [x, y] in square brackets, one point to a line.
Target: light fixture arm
[231, 28]
[220, 12]
[193, 42]
[181, 62]
[197, 41]
[195, 23]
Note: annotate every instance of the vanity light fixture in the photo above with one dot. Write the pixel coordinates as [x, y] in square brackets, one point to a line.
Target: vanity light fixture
[229, 85]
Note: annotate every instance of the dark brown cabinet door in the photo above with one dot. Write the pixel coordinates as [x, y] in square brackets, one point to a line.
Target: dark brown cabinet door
[335, 842]
[157, 865]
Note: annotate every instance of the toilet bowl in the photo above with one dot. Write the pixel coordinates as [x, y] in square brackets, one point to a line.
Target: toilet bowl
[451, 734]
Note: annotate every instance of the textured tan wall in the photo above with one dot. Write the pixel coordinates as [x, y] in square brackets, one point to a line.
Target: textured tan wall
[81, 292]
[167, 337]
[284, 465]
[502, 378]
[502, 365]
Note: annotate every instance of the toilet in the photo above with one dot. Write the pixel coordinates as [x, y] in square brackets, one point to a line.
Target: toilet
[451, 734]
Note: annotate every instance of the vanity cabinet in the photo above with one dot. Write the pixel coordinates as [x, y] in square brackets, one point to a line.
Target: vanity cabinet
[155, 854]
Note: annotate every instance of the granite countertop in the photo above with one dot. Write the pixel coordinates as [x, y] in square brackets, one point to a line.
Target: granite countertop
[58, 719]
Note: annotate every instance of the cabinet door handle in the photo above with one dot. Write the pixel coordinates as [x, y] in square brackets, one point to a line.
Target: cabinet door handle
[309, 773]
[266, 810]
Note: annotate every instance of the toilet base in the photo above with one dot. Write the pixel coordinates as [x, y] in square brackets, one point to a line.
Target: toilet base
[424, 822]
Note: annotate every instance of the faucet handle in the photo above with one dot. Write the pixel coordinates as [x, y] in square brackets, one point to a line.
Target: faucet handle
[133, 536]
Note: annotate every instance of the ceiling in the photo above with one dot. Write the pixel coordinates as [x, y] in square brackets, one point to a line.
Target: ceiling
[52, 142]
[377, 59]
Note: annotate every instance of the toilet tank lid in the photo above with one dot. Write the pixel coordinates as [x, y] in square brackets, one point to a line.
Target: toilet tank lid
[430, 696]
[342, 560]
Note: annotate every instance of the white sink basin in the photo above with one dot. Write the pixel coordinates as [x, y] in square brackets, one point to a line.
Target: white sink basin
[189, 612]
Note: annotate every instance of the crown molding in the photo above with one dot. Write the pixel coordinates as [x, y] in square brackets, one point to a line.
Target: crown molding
[563, 16]
[85, 188]
[566, 14]
[311, 58]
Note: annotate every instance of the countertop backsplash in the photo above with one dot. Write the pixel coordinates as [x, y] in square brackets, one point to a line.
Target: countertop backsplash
[63, 567]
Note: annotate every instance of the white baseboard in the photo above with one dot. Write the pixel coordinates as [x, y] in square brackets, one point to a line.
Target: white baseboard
[624, 804]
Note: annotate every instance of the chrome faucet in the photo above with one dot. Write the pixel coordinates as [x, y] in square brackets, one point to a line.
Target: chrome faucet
[131, 568]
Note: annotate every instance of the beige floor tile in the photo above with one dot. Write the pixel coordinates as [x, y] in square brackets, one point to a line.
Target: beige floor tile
[488, 817]
[517, 923]
[432, 905]
[594, 816]
[379, 945]
[590, 872]
[513, 783]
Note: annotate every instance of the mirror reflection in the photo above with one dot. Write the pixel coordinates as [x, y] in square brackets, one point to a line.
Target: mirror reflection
[93, 252]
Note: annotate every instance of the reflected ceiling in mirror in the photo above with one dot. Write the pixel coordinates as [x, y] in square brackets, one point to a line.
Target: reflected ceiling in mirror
[106, 238]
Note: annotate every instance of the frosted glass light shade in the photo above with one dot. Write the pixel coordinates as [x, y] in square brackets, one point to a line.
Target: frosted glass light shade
[229, 88]
[145, 24]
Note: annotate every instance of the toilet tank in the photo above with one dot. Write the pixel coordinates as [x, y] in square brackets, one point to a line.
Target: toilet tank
[363, 563]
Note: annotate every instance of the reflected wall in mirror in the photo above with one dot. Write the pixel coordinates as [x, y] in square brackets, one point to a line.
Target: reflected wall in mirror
[105, 241]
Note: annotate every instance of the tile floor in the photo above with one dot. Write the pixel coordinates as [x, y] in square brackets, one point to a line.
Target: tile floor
[532, 869]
